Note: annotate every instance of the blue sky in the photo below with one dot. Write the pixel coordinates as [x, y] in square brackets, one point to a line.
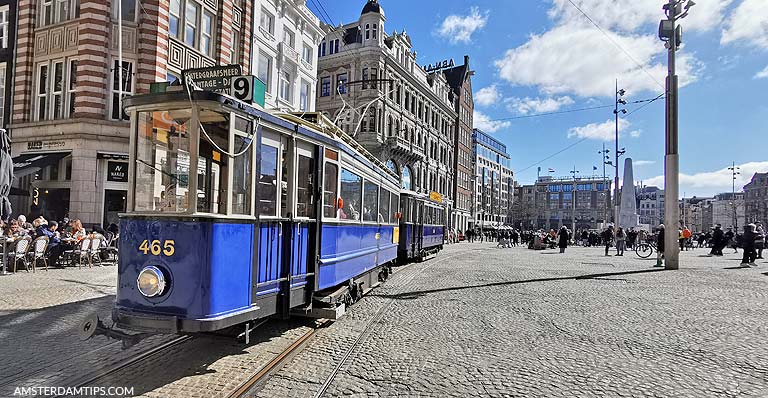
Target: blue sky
[540, 56]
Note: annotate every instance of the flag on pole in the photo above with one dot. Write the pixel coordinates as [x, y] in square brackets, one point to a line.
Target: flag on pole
[551, 170]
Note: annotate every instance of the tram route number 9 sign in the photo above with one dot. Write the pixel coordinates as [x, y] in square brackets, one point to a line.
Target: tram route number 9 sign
[227, 80]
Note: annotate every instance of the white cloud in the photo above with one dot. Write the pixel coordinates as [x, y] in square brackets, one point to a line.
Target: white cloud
[483, 122]
[458, 28]
[602, 131]
[577, 59]
[748, 23]
[710, 183]
[763, 74]
[487, 95]
[537, 105]
[633, 15]
[643, 162]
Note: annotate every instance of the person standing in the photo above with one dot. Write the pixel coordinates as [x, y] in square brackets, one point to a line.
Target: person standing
[660, 246]
[607, 237]
[621, 241]
[760, 239]
[562, 238]
[718, 241]
[748, 244]
[730, 237]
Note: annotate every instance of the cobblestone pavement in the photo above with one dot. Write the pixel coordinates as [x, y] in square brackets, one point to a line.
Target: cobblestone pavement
[480, 321]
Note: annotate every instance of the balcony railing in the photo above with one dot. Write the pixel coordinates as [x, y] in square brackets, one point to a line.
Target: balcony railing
[289, 53]
[405, 147]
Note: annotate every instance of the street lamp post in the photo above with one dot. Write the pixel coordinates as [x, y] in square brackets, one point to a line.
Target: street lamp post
[605, 160]
[672, 35]
[573, 200]
[734, 173]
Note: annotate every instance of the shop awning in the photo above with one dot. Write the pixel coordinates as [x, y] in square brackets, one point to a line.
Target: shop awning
[32, 162]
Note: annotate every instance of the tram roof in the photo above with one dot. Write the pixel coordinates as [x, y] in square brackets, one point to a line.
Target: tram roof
[311, 128]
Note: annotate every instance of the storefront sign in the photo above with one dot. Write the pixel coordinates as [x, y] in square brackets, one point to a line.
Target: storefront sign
[41, 145]
[117, 171]
[446, 63]
[115, 156]
[435, 196]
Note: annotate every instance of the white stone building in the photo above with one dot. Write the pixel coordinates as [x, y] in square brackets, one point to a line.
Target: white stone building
[284, 53]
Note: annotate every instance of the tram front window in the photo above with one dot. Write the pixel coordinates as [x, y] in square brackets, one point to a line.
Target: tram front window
[212, 163]
[162, 161]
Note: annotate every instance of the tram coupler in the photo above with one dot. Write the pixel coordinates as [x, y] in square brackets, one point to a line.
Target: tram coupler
[93, 326]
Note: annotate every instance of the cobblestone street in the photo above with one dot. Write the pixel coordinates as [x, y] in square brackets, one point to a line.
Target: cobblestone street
[474, 321]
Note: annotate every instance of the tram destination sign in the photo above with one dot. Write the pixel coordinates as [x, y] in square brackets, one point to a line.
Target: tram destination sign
[227, 80]
[216, 78]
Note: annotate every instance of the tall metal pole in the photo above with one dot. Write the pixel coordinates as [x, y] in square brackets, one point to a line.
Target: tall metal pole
[120, 57]
[671, 159]
[616, 178]
[573, 202]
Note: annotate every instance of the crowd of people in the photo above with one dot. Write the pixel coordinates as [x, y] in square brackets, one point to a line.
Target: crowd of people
[62, 236]
[752, 239]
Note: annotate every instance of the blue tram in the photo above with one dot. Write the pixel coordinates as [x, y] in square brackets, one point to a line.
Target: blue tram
[422, 226]
[236, 214]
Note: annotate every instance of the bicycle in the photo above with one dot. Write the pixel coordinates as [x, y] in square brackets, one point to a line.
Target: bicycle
[645, 249]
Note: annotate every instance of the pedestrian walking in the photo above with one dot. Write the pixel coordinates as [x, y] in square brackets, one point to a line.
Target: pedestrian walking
[718, 241]
[621, 241]
[562, 238]
[748, 243]
[731, 239]
[660, 246]
[760, 239]
[607, 237]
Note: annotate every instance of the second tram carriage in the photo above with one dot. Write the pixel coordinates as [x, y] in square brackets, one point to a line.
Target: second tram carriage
[235, 214]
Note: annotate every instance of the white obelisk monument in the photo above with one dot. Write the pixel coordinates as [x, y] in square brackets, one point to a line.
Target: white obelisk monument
[628, 217]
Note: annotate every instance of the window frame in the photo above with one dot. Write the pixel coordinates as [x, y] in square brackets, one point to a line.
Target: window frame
[335, 163]
[270, 61]
[3, 76]
[286, 77]
[266, 15]
[5, 12]
[44, 94]
[206, 38]
[112, 82]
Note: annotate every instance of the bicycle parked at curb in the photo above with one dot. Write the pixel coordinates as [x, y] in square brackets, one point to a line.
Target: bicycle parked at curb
[645, 249]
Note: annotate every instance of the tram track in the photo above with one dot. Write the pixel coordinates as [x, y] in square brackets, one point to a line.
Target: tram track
[94, 377]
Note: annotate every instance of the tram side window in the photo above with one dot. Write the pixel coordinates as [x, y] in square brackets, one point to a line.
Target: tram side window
[351, 192]
[330, 190]
[394, 208]
[212, 164]
[267, 189]
[384, 216]
[241, 189]
[162, 161]
[370, 201]
[305, 202]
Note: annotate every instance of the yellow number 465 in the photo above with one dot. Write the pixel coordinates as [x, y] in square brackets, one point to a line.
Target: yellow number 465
[154, 247]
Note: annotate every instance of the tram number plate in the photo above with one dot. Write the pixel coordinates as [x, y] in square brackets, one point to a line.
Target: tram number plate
[155, 247]
[242, 88]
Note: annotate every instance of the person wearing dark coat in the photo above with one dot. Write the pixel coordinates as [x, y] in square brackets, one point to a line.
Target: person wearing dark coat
[718, 241]
[660, 246]
[607, 237]
[562, 239]
[748, 244]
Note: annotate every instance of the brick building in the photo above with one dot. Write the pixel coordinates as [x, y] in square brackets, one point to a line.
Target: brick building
[8, 9]
[756, 198]
[460, 80]
[70, 139]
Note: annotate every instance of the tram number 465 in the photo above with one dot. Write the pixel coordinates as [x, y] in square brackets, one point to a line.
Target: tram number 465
[155, 247]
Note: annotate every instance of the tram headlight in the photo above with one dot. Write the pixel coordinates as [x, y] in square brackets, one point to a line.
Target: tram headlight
[151, 281]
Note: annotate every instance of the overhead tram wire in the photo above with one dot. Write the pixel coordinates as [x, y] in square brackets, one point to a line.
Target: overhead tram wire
[554, 154]
[330, 20]
[574, 110]
[615, 43]
[324, 14]
[646, 104]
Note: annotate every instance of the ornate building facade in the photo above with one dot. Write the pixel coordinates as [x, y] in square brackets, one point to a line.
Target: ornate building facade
[371, 85]
[460, 79]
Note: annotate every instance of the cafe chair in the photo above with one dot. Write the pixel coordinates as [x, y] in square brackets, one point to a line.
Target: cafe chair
[20, 252]
[39, 246]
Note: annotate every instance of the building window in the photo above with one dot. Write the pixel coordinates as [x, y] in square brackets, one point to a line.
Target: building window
[267, 22]
[325, 87]
[190, 23]
[304, 96]
[322, 49]
[336, 45]
[288, 37]
[265, 71]
[174, 18]
[4, 27]
[128, 9]
[341, 83]
[127, 88]
[285, 85]
[57, 90]
[375, 31]
[42, 92]
[306, 54]
[55, 11]
[236, 47]
[71, 86]
[206, 32]
[367, 31]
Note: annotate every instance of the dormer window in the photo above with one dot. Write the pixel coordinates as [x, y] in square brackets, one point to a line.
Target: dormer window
[367, 31]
